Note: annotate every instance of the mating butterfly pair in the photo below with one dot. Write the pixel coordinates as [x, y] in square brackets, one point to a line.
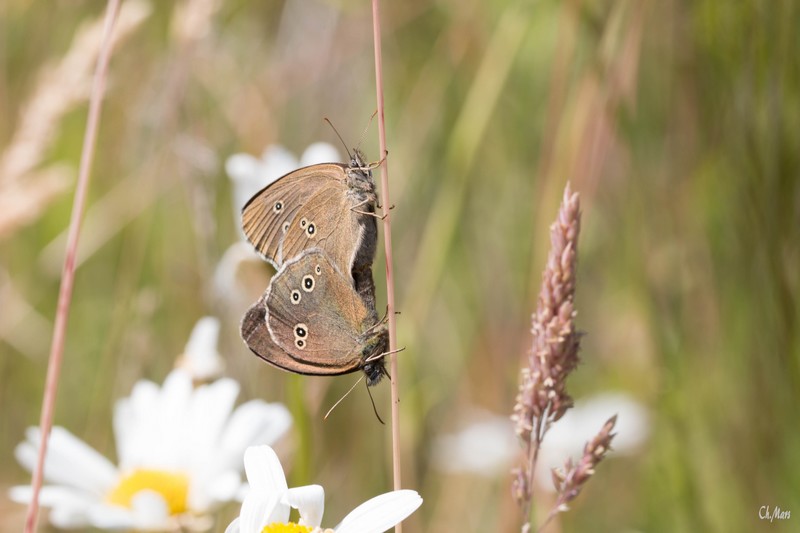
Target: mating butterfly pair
[317, 226]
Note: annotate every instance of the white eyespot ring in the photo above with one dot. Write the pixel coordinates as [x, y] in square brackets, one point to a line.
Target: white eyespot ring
[277, 207]
[300, 343]
[300, 331]
[303, 222]
[295, 297]
[286, 226]
[318, 270]
[311, 229]
[308, 283]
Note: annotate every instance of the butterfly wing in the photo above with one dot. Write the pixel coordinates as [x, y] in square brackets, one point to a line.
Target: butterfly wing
[256, 336]
[315, 315]
[333, 220]
[267, 213]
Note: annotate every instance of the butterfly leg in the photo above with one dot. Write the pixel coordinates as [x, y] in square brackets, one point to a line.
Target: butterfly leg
[381, 217]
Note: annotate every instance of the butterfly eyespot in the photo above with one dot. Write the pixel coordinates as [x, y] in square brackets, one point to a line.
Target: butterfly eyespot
[278, 206]
[308, 283]
[300, 343]
[300, 331]
[296, 297]
[303, 223]
[318, 269]
[286, 226]
[311, 229]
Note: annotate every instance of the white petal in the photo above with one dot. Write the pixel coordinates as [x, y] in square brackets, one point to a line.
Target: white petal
[51, 496]
[242, 166]
[310, 501]
[277, 161]
[69, 507]
[253, 422]
[170, 423]
[381, 512]
[65, 517]
[246, 173]
[70, 461]
[211, 406]
[105, 516]
[134, 424]
[224, 488]
[200, 357]
[233, 527]
[264, 470]
[319, 152]
[260, 509]
[149, 509]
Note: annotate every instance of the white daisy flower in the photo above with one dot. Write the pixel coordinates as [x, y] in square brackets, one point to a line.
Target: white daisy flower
[487, 445]
[179, 453]
[266, 506]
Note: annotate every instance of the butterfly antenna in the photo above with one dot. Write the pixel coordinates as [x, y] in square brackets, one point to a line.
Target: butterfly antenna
[374, 409]
[349, 155]
[364, 133]
[343, 397]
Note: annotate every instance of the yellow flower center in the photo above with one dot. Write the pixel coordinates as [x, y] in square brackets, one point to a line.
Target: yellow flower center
[291, 527]
[172, 486]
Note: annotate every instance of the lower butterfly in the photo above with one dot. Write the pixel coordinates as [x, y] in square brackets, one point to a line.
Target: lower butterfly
[312, 321]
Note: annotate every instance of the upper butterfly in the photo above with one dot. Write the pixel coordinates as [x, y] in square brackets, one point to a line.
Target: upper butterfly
[330, 206]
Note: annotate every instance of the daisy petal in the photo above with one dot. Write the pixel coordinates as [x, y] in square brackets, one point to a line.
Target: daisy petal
[264, 470]
[211, 406]
[65, 517]
[149, 509]
[257, 511]
[242, 166]
[276, 161]
[69, 507]
[51, 496]
[70, 461]
[254, 422]
[200, 357]
[110, 517]
[319, 152]
[310, 501]
[381, 512]
[224, 487]
[133, 423]
[233, 527]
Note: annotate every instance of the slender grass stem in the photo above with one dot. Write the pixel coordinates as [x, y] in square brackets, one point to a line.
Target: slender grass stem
[387, 239]
[68, 272]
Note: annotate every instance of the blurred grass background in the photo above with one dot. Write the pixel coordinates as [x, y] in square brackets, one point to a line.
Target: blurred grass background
[678, 122]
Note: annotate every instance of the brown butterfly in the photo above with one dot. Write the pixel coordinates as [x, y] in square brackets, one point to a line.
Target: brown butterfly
[312, 321]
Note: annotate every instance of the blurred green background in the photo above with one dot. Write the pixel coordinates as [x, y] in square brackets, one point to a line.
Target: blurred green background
[677, 121]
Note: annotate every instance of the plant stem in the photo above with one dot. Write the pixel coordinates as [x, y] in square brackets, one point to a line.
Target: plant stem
[387, 239]
[68, 272]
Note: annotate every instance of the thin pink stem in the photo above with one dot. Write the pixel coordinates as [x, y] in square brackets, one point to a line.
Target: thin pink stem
[68, 272]
[387, 240]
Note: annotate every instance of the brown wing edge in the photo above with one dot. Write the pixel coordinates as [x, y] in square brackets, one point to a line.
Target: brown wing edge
[256, 336]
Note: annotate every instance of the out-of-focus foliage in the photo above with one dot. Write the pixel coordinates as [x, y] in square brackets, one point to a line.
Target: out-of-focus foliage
[678, 122]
